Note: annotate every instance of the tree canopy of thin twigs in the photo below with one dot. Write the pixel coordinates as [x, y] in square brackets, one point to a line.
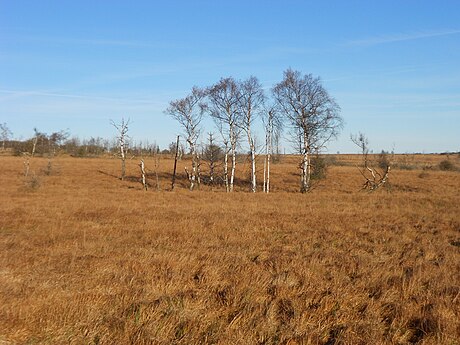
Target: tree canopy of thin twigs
[311, 112]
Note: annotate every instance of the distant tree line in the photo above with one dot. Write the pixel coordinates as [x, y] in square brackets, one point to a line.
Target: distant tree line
[44, 145]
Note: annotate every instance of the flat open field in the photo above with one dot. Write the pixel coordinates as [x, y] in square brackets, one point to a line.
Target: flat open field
[88, 259]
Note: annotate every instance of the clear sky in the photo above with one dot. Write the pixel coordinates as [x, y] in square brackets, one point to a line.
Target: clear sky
[393, 66]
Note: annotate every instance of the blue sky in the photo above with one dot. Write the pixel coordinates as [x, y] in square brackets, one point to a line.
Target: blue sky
[393, 66]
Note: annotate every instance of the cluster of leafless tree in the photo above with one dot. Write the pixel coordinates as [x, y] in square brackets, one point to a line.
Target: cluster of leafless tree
[298, 102]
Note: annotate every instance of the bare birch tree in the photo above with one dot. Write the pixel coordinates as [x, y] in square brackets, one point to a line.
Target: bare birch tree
[272, 127]
[224, 109]
[251, 101]
[122, 138]
[308, 107]
[5, 134]
[188, 112]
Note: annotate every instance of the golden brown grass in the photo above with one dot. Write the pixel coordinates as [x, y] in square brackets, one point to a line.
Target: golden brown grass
[88, 259]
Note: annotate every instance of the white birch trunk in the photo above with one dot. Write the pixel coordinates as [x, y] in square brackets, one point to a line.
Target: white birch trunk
[211, 171]
[211, 160]
[306, 166]
[232, 136]
[144, 182]
[303, 177]
[226, 168]
[193, 175]
[267, 187]
[253, 157]
[269, 152]
[198, 171]
[123, 157]
[264, 186]
[232, 176]
[34, 146]
[253, 169]
[175, 164]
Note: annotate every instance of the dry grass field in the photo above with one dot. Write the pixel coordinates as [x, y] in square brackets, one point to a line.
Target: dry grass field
[88, 259]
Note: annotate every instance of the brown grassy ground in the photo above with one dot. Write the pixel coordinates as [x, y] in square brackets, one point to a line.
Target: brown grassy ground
[88, 259]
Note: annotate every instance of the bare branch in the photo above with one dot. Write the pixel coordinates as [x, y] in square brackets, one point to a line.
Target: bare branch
[374, 178]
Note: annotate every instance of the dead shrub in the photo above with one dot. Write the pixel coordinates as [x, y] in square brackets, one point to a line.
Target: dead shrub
[33, 182]
[447, 165]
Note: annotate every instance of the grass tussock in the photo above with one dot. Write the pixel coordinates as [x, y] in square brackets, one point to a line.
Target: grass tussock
[90, 259]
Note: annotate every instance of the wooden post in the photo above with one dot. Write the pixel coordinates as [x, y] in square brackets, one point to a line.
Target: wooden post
[175, 164]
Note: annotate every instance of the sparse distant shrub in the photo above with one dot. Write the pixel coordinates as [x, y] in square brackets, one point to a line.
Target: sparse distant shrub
[49, 169]
[447, 165]
[428, 167]
[331, 160]
[383, 160]
[275, 158]
[33, 182]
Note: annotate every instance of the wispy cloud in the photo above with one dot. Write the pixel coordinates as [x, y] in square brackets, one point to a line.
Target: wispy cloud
[401, 37]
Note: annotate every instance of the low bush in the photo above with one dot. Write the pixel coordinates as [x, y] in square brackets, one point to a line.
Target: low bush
[319, 168]
[383, 160]
[447, 165]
